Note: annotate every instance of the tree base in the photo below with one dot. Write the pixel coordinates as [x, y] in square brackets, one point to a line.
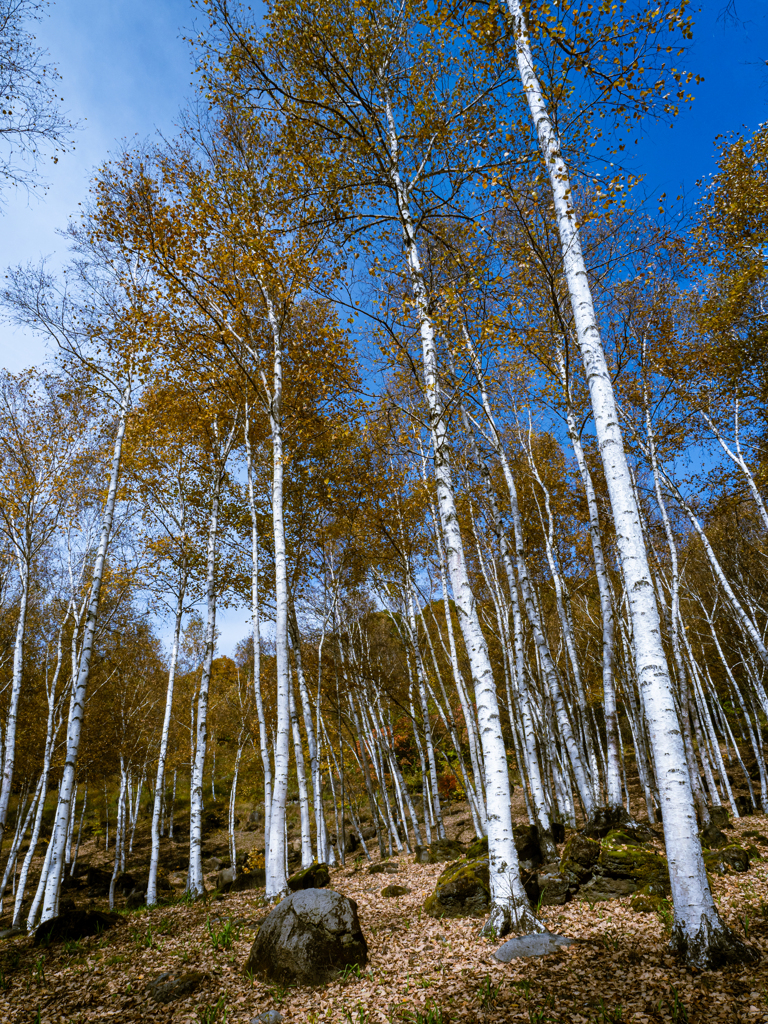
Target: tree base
[511, 917]
[714, 945]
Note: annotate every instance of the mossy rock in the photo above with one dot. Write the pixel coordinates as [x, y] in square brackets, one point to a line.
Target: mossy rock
[391, 891]
[445, 849]
[383, 868]
[712, 838]
[726, 859]
[619, 859]
[478, 849]
[650, 900]
[316, 876]
[754, 853]
[462, 890]
[580, 856]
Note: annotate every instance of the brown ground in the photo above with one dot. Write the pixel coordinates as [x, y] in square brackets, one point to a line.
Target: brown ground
[421, 970]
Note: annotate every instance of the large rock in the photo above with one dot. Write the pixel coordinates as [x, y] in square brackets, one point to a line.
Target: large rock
[556, 887]
[712, 838]
[463, 890]
[621, 858]
[225, 879]
[719, 817]
[316, 876]
[442, 850]
[580, 856]
[395, 890]
[727, 858]
[255, 879]
[527, 846]
[308, 938]
[478, 848]
[73, 925]
[602, 887]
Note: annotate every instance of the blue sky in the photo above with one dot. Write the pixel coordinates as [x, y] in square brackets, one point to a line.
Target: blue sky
[126, 71]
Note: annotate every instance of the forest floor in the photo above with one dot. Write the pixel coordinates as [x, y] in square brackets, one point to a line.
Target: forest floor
[419, 969]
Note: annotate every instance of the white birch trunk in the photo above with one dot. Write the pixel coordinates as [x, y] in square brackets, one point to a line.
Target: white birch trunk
[698, 932]
[9, 753]
[232, 804]
[195, 884]
[266, 763]
[612, 773]
[301, 778]
[163, 752]
[510, 909]
[277, 883]
[80, 681]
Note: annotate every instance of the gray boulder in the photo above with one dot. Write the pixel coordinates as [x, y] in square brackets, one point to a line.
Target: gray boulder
[224, 879]
[602, 887]
[383, 868]
[537, 944]
[308, 938]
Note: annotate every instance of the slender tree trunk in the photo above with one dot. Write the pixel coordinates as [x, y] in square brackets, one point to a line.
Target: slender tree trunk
[80, 687]
[698, 932]
[163, 754]
[266, 763]
[277, 883]
[232, 804]
[301, 778]
[13, 706]
[510, 908]
[195, 884]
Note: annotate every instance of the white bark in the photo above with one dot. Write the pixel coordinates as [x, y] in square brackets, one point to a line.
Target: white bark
[277, 883]
[309, 729]
[195, 884]
[301, 778]
[119, 833]
[80, 686]
[232, 805]
[510, 908]
[162, 756]
[698, 931]
[266, 763]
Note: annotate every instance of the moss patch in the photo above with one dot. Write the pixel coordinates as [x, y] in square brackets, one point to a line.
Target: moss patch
[463, 890]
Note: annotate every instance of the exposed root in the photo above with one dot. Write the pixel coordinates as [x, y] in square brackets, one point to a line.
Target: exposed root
[511, 916]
